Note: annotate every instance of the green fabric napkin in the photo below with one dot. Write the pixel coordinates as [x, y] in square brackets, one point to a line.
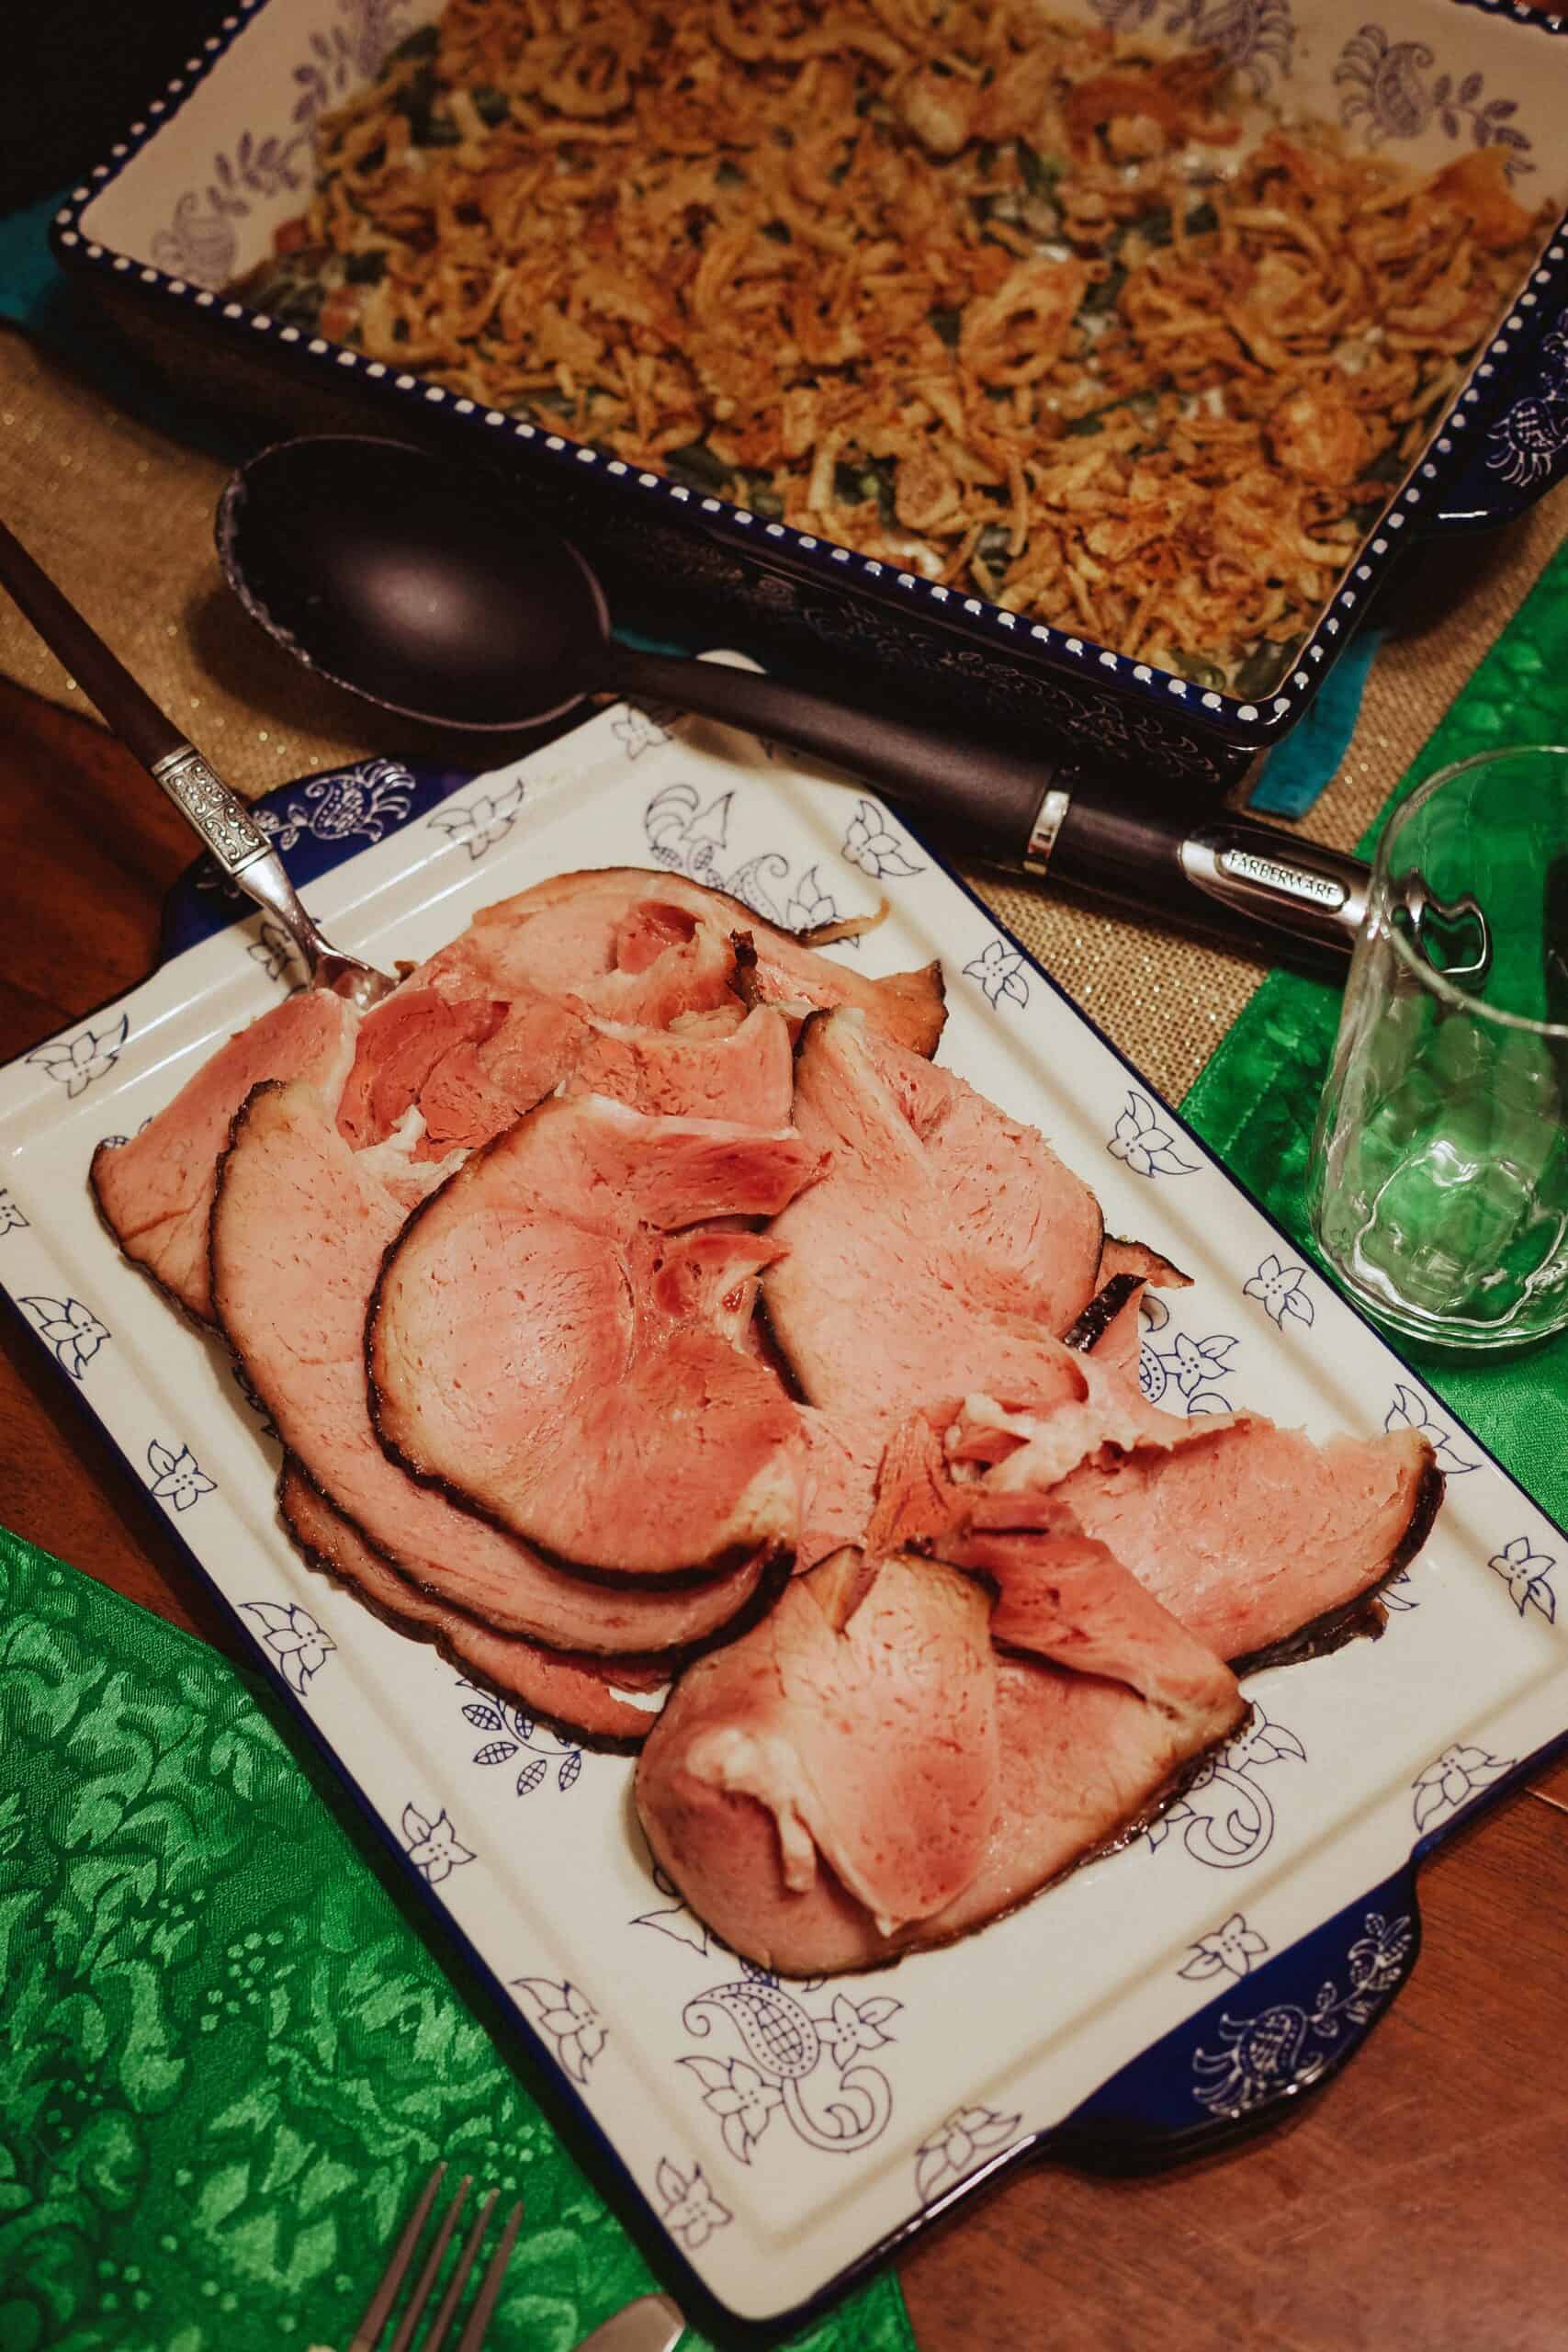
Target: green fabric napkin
[227, 2061]
[1255, 1101]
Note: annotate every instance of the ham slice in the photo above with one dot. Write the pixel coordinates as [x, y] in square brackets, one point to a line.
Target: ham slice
[555, 1338]
[944, 1248]
[1251, 1536]
[155, 1192]
[639, 946]
[614, 1704]
[866, 1772]
[299, 1226]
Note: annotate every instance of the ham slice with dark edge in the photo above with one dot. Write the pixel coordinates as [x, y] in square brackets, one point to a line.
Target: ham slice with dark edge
[1254, 1538]
[554, 1339]
[636, 944]
[946, 1245]
[300, 1225]
[865, 1773]
[155, 1192]
[607, 1704]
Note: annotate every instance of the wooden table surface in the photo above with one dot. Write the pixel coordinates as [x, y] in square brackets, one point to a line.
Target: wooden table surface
[1420, 2200]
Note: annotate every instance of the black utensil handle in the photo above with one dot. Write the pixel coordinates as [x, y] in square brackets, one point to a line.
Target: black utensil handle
[985, 798]
[135, 718]
[1232, 877]
[1252, 885]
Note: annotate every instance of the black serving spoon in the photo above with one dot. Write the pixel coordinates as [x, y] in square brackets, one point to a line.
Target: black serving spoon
[430, 591]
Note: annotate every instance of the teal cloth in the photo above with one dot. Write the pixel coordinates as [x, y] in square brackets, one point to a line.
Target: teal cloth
[1296, 771]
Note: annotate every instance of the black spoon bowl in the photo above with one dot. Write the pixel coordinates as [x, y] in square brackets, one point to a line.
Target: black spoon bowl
[430, 590]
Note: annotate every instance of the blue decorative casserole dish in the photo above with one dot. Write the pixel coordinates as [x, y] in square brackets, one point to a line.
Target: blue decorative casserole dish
[191, 200]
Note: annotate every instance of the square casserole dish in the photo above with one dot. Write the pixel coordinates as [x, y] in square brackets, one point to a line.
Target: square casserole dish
[189, 201]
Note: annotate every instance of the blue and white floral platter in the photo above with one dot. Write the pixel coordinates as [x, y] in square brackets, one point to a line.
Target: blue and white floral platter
[191, 196]
[784, 2136]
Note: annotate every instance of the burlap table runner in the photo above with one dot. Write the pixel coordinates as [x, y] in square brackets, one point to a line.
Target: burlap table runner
[122, 517]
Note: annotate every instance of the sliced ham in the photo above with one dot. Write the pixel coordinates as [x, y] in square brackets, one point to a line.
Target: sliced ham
[641, 945]
[1252, 1537]
[943, 1250]
[606, 1703]
[300, 1229]
[155, 1192]
[554, 1342]
[865, 1773]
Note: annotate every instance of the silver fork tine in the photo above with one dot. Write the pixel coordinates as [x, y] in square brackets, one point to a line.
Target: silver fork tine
[459, 2278]
[473, 2336]
[420, 2295]
[381, 2302]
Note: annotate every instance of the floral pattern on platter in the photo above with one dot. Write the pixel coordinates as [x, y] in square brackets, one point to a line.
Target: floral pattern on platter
[200, 242]
[279, 956]
[1531, 437]
[638, 731]
[570, 2019]
[487, 818]
[1527, 1574]
[1225, 1820]
[177, 1478]
[1229, 1951]
[297, 1643]
[1452, 1780]
[1282, 1289]
[692, 840]
[958, 2146]
[787, 2046]
[691, 2212]
[1287, 2048]
[1000, 972]
[1257, 38]
[1410, 1412]
[871, 843]
[75, 1062]
[1194, 1368]
[361, 803]
[1387, 88]
[1146, 1147]
[548, 1758]
[72, 1330]
[11, 1217]
[435, 1849]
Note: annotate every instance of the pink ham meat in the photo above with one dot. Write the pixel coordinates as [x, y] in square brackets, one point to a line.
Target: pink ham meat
[1251, 1535]
[866, 1772]
[607, 938]
[300, 1227]
[608, 1704]
[471, 1066]
[944, 1248]
[636, 945]
[555, 1338]
[155, 1192]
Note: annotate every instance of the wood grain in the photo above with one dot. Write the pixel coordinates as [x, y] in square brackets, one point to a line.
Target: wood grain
[1418, 2200]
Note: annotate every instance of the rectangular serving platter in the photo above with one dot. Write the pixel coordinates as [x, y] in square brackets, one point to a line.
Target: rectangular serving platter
[781, 2136]
[190, 198]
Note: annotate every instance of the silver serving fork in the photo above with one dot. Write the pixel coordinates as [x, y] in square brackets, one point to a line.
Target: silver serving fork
[243, 852]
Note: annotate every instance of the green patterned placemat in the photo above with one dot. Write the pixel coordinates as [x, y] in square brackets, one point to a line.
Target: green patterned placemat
[227, 2061]
[1255, 1101]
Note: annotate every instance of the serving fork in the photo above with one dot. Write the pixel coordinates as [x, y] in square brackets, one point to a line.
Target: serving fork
[243, 852]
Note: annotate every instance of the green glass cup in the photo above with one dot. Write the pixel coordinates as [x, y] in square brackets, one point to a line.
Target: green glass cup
[1438, 1186]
